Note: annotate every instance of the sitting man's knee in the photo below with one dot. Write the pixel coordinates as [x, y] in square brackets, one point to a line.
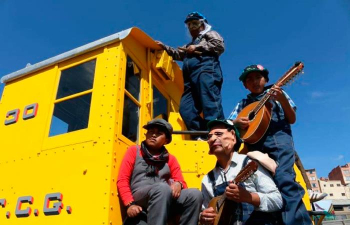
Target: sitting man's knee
[161, 189]
[195, 195]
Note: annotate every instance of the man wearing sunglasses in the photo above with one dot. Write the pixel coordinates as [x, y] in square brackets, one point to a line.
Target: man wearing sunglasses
[257, 200]
[202, 73]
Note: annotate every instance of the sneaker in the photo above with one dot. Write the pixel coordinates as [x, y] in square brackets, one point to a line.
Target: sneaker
[316, 196]
[200, 139]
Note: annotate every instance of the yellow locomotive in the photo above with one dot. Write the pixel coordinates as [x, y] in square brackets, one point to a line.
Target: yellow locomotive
[68, 120]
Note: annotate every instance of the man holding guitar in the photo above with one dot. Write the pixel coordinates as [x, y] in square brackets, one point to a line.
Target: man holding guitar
[253, 201]
[277, 112]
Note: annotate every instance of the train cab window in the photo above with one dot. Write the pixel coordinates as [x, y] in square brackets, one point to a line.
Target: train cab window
[73, 99]
[132, 79]
[160, 104]
[131, 101]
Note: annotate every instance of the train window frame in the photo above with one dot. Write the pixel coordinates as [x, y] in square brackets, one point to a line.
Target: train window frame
[59, 100]
[83, 135]
[125, 94]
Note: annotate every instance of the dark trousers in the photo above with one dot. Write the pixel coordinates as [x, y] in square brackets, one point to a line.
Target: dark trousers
[202, 92]
[294, 211]
[157, 200]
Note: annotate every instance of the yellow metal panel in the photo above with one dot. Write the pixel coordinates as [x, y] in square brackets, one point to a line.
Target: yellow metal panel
[300, 180]
[25, 138]
[194, 160]
[164, 64]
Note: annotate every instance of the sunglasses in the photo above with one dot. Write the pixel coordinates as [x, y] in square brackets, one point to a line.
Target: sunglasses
[194, 24]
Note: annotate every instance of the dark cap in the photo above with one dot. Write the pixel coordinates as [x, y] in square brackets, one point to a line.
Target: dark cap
[254, 68]
[195, 16]
[229, 125]
[162, 124]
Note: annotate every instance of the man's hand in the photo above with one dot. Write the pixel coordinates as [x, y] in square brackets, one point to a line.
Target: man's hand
[208, 216]
[190, 49]
[176, 189]
[133, 210]
[278, 94]
[287, 108]
[160, 44]
[237, 193]
[241, 123]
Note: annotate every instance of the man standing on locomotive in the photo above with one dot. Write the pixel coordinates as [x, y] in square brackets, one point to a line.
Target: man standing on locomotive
[202, 73]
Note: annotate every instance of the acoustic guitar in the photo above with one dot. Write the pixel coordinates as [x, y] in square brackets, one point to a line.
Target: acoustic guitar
[259, 113]
[224, 207]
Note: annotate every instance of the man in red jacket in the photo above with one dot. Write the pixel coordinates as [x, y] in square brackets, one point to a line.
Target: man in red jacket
[150, 180]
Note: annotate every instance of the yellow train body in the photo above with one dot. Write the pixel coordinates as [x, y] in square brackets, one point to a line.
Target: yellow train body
[55, 170]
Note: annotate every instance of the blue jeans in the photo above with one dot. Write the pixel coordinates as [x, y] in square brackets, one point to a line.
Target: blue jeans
[202, 92]
[282, 150]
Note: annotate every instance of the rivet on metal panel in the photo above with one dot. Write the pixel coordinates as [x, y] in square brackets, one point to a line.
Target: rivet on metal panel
[84, 172]
[111, 207]
[110, 222]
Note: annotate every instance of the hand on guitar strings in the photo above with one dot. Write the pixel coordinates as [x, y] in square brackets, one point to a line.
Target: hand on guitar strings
[241, 123]
[277, 94]
[237, 193]
[208, 216]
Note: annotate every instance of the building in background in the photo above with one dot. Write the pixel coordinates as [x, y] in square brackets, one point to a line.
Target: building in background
[334, 188]
[341, 173]
[339, 194]
[312, 176]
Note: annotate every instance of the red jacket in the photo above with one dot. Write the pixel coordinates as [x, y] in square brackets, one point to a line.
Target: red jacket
[127, 167]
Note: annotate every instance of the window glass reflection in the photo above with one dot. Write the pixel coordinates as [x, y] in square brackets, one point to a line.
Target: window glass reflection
[132, 79]
[160, 104]
[71, 115]
[76, 79]
[130, 119]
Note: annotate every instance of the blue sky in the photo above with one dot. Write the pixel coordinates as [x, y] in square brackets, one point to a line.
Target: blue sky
[272, 33]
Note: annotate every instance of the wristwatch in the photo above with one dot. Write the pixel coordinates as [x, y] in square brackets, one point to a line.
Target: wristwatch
[180, 184]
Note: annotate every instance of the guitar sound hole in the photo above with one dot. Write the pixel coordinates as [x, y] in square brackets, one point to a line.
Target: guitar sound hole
[251, 116]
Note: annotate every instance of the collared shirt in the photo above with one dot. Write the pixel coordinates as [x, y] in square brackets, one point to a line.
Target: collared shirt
[211, 42]
[260, 183]
[240, 105]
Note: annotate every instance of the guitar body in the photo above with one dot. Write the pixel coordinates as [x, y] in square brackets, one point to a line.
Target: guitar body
[225, 211]
[257, 125]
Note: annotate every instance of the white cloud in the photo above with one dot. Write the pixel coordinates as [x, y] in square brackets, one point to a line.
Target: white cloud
[339, 157]
[317, 94]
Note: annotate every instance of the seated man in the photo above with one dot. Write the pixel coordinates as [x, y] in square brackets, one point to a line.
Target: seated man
[257, 197]
[150, 180]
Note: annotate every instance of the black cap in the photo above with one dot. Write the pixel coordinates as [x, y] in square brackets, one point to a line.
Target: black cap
[195, 16]
[163, 124]
[228, 124]
[254, 68]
